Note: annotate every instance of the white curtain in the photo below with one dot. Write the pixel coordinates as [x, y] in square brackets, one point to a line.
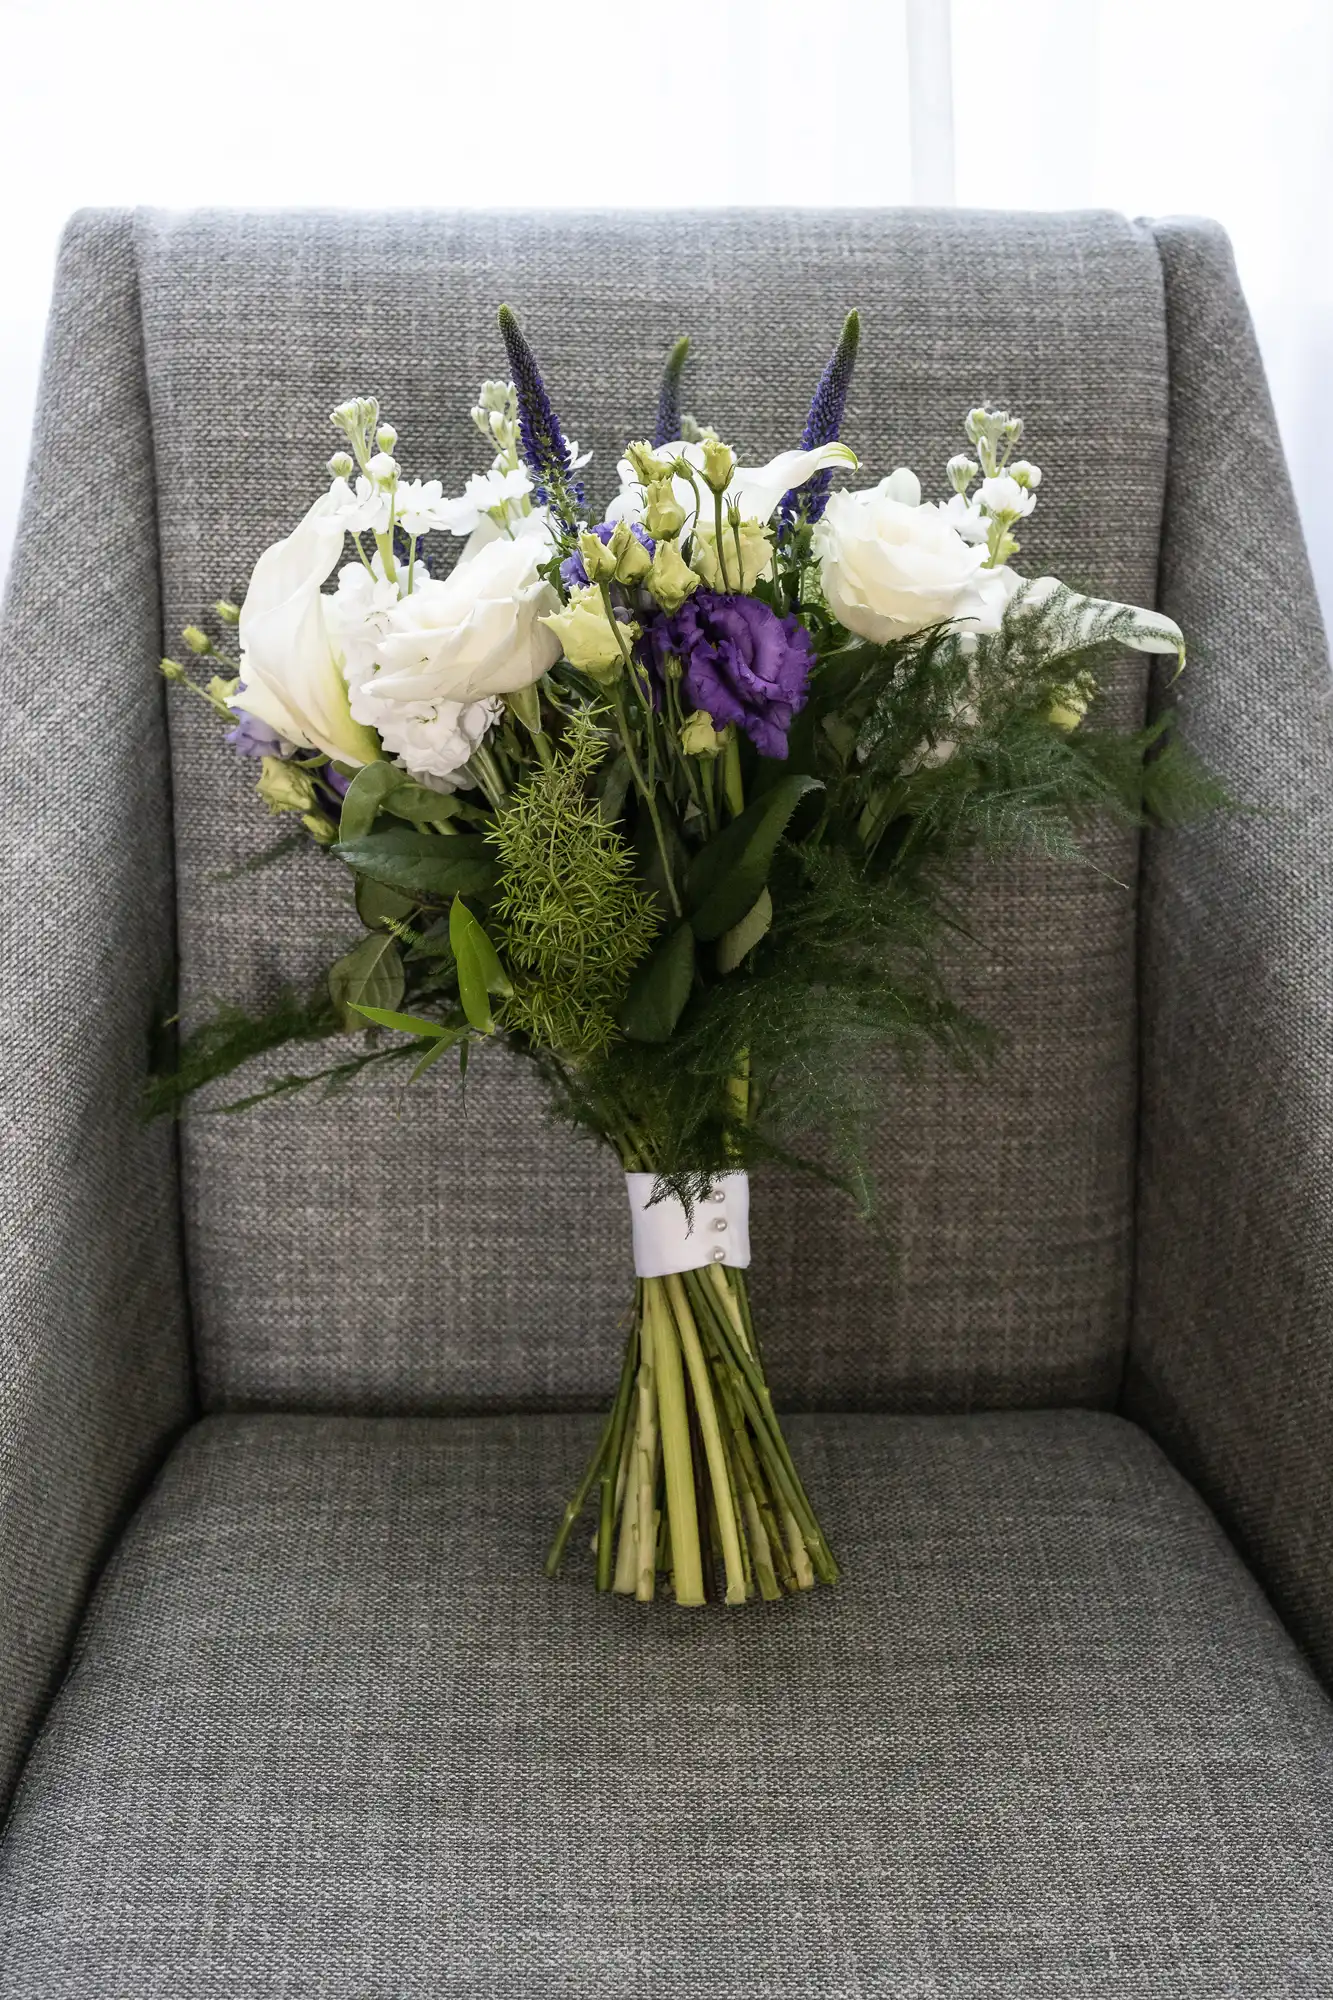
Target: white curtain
[1147, 105]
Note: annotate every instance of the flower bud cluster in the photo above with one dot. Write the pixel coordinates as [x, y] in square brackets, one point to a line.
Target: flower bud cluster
[1008, 489]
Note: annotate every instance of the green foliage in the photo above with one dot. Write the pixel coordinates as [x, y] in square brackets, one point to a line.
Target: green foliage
[233, 1037]
[371, 974]
[430, 867]
[568, 917]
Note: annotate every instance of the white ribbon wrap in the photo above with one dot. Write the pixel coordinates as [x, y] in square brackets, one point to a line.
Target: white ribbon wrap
[666, 1239]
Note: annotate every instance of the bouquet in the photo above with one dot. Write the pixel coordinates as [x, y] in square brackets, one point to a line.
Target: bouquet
[669, 797]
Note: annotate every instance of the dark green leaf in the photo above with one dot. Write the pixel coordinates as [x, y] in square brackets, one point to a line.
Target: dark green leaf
[728, 874]
[432, 867]
[480, 972]
[372, 972]
[435, 1051]
[377, 906]
[659, 989]
[734, 944]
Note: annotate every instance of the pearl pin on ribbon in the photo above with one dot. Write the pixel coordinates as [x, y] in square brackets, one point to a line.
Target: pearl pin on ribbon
[666, 1239]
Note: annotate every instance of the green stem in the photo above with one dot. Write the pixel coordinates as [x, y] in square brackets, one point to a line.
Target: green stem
[718, 541]
[649, 796]
[714, 1449]
[612, 1454]
[677, 1461]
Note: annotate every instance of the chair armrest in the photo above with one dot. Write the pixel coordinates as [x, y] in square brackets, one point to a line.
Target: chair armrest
[1231, 1358]
[94, 1369]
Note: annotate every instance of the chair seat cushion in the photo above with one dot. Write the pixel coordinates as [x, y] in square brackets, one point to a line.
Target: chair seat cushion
[330, 1731]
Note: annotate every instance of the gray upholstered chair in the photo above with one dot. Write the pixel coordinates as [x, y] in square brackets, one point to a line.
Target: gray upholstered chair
[288, 1401]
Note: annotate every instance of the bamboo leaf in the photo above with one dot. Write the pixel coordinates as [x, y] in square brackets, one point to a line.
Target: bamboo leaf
[659, 989]
[372, 972]
[480, 972]
[728, 874]
[406, 1024]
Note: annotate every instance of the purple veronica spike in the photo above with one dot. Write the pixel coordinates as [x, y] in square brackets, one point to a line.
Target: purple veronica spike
[668, 401]
[544, 445]
[825, 421]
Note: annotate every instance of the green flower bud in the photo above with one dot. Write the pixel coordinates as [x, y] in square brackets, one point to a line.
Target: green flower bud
[670, 578]
[598, 560]
[719, 464]
[962, 470]
[321, 827]
[664, 517]
[631, 557]
[647, 465]
[220, 690]
[197, 641]
[587, 637]
[172, 670]
[698, 737]
[747, 550]
[285, 788]
[230, 613]
[340, 466]
[1071, 704]
[386, 437]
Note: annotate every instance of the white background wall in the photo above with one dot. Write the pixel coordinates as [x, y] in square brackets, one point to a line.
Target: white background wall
[1153, 106]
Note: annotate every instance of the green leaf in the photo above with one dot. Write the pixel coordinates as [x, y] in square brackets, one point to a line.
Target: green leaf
[407, 1024]
[659, 989]
[727, 875]
[733, 945]
[377, 906]
[408, 800]
[432, 867]
[371, 972]
[480, 972]
[364, 797]
[435, 1051]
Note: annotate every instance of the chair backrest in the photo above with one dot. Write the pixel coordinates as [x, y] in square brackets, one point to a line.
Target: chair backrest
[395, 1249]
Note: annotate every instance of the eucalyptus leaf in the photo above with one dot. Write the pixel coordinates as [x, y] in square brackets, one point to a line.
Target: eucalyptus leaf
[432, 867]
[480, 972]
[728, 874]
[408, 800]
[364, 797]
[733, 945]
[372, 972]
[659, 989]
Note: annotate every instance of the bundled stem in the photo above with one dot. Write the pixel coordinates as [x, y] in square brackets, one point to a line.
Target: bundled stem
[692, 1460]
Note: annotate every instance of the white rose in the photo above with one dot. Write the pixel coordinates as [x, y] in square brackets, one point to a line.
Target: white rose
[291, 675]
[478, 632]
[891, 567]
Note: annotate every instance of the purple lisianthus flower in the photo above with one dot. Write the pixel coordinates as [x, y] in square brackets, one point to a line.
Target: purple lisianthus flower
[572, 572]
[741, 663]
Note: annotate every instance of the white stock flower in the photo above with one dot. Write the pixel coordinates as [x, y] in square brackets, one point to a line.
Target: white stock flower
[1004, 495]
[576, 459]
[891, 566]
[476, 632]
[483, 491]
[432, 741]
[966, 517]
[421, 508]
[361, 507]
[291, 674]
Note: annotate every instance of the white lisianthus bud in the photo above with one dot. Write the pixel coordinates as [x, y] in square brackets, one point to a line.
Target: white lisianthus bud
[383, 469]
[599, 564]
[670, 579]
[1025, 473]
[341, 465]
[631, 558]
[386, 437]
[285, 788]
[962, 470]
[698, 735]
[196, 640]
[719, 462]
[229, 613]
[747, 552]
[586, 636]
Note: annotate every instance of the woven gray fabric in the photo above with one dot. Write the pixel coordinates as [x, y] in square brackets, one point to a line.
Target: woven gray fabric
[329, 1731]
[92, 1355]
[1233, 1350]
[389, 1251]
